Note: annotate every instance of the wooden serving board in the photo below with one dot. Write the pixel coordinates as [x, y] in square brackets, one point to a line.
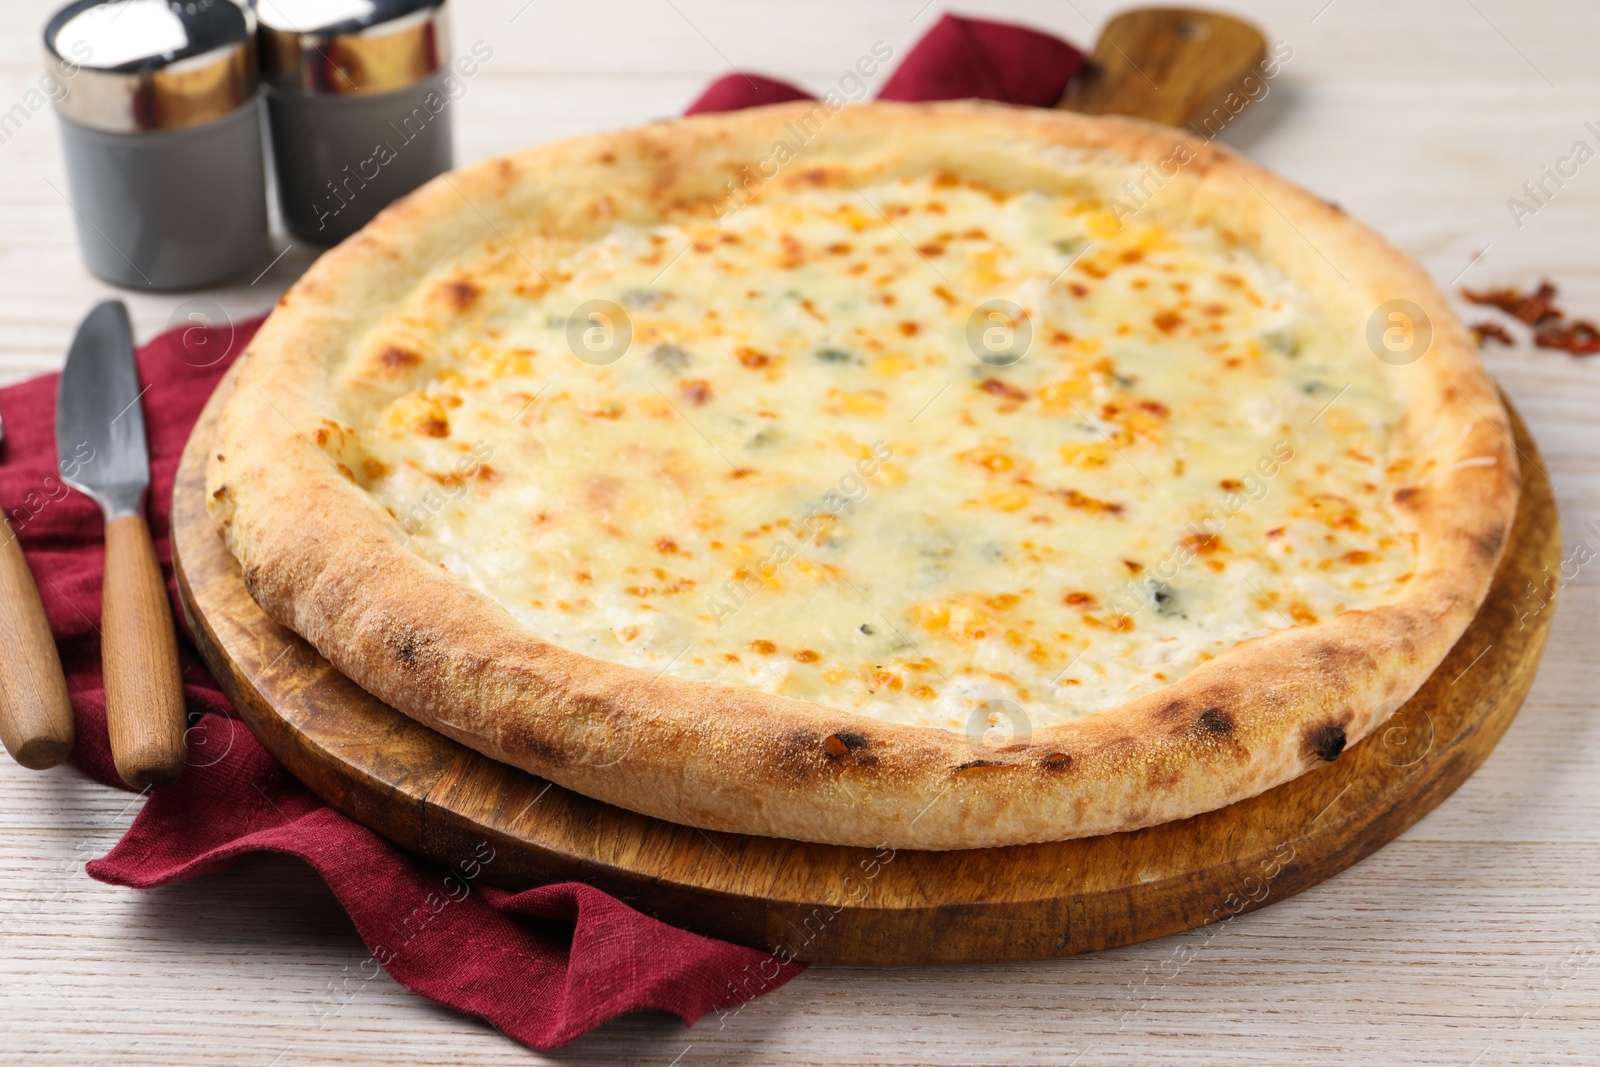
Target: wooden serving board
[825, 903]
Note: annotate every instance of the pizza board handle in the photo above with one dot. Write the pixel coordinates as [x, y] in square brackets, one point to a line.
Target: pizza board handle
[35, 714]
[1168, 65]
[139, 649]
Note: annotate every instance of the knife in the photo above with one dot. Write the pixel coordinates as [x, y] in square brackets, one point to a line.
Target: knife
[98, 414]
[35, 713]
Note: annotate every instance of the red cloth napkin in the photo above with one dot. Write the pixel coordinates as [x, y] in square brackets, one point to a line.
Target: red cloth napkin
[543, 966]
[542, 982]
[959, 58]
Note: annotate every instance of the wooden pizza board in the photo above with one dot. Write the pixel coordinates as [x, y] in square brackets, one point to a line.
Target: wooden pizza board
[824, 903]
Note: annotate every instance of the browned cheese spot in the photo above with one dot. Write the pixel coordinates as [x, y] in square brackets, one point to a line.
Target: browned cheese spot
[695, 390]
[460, 295]
[995, 387]
[395, 358]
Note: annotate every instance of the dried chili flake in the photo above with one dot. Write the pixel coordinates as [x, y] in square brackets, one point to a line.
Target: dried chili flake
[1577, 337]
[1492, 331]
[1532, 308]
[1551, 328]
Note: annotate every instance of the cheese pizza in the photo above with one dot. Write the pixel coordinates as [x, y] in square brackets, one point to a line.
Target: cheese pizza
[938, 476]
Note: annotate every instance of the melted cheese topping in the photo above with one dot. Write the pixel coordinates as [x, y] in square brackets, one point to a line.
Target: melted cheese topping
[798, 476]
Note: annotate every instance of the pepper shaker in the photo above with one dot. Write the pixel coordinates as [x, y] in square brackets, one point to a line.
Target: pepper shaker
[358, 104]
[162, 137]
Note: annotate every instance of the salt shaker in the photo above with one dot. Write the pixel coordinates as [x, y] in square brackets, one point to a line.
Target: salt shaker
[162, 136]
[358, 106]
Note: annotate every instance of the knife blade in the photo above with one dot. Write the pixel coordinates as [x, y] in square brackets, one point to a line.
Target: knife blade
[98, 415]
[35, 711]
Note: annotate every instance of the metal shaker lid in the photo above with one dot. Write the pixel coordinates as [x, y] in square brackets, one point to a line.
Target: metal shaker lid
[137, 65]
[351, 47]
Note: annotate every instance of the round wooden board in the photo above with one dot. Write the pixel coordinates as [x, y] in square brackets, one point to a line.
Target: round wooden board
[824, 903]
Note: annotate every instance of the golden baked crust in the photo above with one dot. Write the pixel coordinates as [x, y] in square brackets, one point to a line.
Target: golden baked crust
[323, 557]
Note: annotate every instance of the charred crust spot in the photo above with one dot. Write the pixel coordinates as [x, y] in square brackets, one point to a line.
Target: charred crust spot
[222, 491]
[843, 742]
[1162, 777]
[977, 766]
[1326, 741]
[407, 648]
[1407, 496]
[252, 583]
[1215, 721]
[1488, 543]
[1173, 711]
[537, 746]
[1339, 662]
[797, 753]
[1056, 761]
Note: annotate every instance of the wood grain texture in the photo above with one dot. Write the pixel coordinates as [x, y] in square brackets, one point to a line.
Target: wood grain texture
[1167, 64]
[1470, 937]
[139, 653]
[854, 905]
[35, 712]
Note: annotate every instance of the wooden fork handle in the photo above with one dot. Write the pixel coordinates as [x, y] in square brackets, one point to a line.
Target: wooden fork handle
[35, 714]
[139, 654]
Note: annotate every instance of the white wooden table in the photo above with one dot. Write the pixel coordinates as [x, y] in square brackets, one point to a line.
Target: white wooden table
[1473, 939]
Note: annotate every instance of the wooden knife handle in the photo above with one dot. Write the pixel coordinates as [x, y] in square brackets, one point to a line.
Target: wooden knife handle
[1171, 65]
[139, 654]
[35, 714]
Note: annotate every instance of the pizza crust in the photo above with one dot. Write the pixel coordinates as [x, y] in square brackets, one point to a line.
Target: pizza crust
[324, 558]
